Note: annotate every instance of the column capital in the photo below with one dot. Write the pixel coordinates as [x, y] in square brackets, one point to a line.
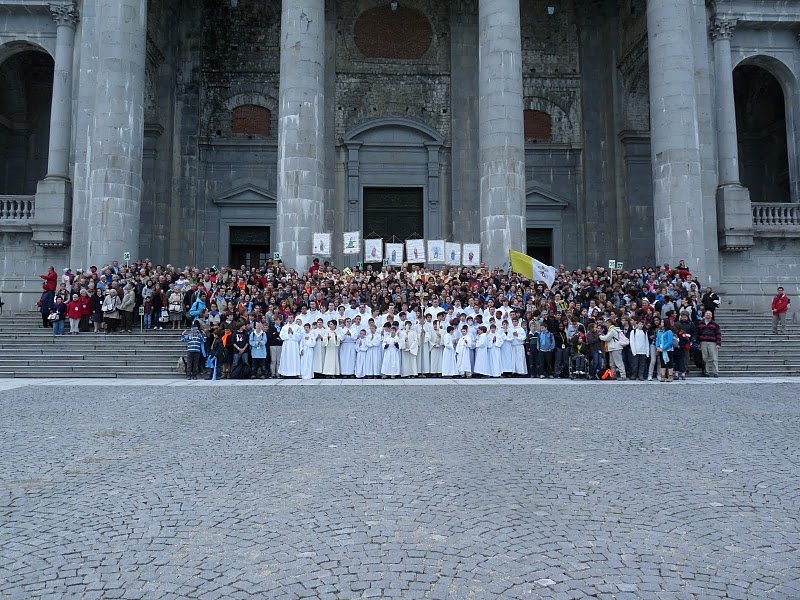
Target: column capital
[65, 13]
[722, 29]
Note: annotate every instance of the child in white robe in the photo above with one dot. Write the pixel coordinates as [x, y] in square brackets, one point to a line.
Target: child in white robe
[362, 348]
[390, 366]
[449, 367]
[517, 338]
[463, 354]
[482, 364]
[291, 334]
[319, 332]
[307, 345]
[506, 353]
[434, 341]
[330, 366]
[495, 341]
[374, 352]
[347, 349]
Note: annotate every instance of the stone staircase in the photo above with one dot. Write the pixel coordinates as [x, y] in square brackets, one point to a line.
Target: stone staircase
[29, 350]
[750, 349]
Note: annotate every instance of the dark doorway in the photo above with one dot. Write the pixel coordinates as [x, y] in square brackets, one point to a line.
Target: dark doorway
[26, 88]
[249, 246]
[394, 212]
[761, 129]
[540, 245]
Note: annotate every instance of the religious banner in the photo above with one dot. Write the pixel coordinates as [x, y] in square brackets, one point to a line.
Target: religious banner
[472, 255]
[415, 251]
[321, 245]
[452, 254]
[436, 251]
[352, 242]
[394, 254]
[373, 250]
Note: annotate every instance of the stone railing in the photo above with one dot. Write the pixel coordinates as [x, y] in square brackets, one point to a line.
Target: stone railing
[16, 208]
[776, 219]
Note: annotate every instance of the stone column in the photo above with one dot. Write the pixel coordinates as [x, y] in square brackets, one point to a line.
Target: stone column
[54, 192]
[675, 140]
[301, 130]
[116, 139]
[734, 216]
[501, 143]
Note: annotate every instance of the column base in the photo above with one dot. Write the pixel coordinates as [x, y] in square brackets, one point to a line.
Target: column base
[52, 212]
[734, 218]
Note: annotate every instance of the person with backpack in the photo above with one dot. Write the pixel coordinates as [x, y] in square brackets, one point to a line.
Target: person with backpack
[616, 341]
[195, 342]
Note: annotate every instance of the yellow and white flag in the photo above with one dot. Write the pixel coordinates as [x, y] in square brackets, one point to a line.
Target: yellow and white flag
[529, 267]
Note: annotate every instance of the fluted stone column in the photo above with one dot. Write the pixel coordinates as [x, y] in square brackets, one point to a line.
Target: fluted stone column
[501, 136]
[675, 142]
[54, 193]
[734, 216]
[301, 130]
[116, 137]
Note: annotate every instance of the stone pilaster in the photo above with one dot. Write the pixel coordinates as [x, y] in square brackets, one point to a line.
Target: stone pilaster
[734, 216]
[675, 140]
[117, 142]
[301, 130]
[51, 225]
[501, 136]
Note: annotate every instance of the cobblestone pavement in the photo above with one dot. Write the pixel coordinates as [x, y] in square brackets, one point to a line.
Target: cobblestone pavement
[615, 491]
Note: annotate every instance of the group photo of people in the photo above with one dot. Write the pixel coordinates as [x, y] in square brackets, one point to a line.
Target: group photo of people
[263, 322]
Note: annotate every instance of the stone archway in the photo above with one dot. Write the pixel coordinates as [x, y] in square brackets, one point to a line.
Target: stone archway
[26, 90]
[761, 126]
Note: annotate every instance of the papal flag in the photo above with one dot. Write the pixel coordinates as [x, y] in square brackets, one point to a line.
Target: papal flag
[529, 267]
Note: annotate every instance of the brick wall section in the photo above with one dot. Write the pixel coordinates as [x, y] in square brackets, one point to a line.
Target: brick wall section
[402, 34]
[251, 120]
[538, 126]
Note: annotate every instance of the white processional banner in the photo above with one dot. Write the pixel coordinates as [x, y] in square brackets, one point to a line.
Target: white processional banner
[352, 242]
[452, 254]
[321, 244]
[394, 254]
[436, 251]
[415, 251]
[472, 255]
[373, 251]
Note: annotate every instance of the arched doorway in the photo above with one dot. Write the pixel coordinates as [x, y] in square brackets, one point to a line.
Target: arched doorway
[26, 90]
[761, 131]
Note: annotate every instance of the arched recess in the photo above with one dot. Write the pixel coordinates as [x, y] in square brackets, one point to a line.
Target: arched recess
[561, 131]
[766, 96]
[26, 90]
[393, 153]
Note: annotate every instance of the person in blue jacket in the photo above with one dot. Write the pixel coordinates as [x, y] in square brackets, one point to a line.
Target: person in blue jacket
[547, 344]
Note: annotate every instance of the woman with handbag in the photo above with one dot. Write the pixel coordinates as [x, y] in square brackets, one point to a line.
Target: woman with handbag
[58, 313]
[175, 308]
[110, 310]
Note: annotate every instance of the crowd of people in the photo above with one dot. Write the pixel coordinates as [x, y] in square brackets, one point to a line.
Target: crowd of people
[387, 322]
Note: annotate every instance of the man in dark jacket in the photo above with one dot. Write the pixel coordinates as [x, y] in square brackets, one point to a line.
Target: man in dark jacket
[710, 338]
[710, 301]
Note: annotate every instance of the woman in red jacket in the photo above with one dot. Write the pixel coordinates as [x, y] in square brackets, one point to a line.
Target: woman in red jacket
[86, 310]
[74, 312]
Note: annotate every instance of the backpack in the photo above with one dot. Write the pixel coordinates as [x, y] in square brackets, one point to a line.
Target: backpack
[623, 339]
[607, 375]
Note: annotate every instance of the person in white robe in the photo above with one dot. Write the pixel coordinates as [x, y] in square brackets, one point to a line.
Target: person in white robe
[409, 348]
[347, 349]
[390, 367]
[307, 346]
[418, 328]
[518, 336]
[426, 330]
[374, 352]
[463, 354]
[482, 364]
[434, 341]
[319, 332]
[449, 367]
[330, 365]
[506, 353]
[291, 334]
[495, 341]
[362, 349]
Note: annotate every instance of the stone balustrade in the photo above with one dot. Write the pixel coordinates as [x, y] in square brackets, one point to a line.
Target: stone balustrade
[776, 219]
[16, 208]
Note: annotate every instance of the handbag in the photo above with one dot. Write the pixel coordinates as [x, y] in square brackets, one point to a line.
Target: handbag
[52, 316]
[164, 317]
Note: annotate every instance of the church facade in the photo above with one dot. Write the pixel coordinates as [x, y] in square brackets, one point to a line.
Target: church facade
[212, 132]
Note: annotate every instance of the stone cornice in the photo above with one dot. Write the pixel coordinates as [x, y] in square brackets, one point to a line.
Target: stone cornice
[65, 13]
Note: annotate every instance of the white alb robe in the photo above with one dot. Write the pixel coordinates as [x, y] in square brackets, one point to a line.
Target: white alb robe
[347, 350]
[291, 334]
[391, 356]
[307, 345]
[330, 364]
[482, 364]
[449, 366]
[410, 349]
[362, 349]
[463, 355]
[495, 341]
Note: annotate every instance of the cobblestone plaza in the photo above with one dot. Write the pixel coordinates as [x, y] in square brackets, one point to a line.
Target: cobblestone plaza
[426, 491]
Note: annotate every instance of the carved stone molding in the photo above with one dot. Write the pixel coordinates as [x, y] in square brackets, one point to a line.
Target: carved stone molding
[65, 13]
[722, 29]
